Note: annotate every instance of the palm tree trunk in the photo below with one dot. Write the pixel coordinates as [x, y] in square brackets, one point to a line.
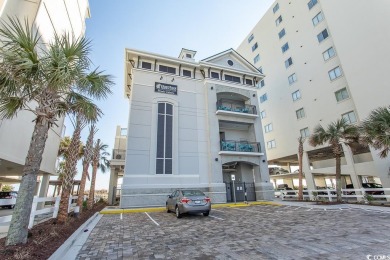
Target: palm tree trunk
[300, 174]
[18, 229]
[338, 177]
[80, 198]
[70, 172]
[92, 189]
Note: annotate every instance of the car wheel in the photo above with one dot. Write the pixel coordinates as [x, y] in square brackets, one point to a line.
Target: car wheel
[167, 208]
[177, 211]
[206, 213]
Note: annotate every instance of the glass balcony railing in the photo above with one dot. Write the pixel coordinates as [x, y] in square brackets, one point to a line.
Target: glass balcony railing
[240, 146]
[236, 107]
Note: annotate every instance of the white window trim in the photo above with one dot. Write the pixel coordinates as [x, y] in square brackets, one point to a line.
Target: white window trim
[335, 54]
[296, 115]
[323, 18]
[349, 96]
[341, 75]
[300, 95]
[352, 111]
[324, 40]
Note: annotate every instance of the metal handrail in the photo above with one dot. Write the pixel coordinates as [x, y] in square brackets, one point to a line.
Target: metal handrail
[238, 107]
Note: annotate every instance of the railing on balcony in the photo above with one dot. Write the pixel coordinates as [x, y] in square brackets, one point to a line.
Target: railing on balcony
[238, 107]
[118, 154]
[240, 146]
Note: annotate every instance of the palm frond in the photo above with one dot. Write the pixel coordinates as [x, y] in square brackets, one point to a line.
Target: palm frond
[95, 84]
[79, 104]
[9, 106]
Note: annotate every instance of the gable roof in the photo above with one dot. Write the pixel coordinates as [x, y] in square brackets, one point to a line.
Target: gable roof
[235, 54]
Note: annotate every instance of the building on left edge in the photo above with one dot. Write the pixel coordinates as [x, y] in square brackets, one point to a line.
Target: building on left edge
[192, 125]
[49, 17]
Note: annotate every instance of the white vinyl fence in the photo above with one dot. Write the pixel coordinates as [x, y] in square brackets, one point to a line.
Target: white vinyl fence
[47, 211]
[330, 194]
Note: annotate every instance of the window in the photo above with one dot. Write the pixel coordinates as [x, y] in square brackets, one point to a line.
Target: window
[248, 82]
[311, 4]
[188, 55]
[282, 33]
[305, 132]
[146, 65]
[317, 19]
[285, 47]
[329, 53]
[300, 113]
[335, 73]
[322, 35]
[167, 69]
[263, 98]
[186, 73]
[341, 94]
[263, 114]
[349, 117]
[254, 47]
[261, 83]
[276, 8]
[271, 144]
[292, 78]
[288, 62]
[215, 75]
[250, 38]
[268, 128]
[296, 95]
[260, 69]
[279, 20]
[232, 78]
[164, 138]
[257, 58]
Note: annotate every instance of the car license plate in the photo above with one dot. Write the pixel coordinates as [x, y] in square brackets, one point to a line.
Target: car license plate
[197, 201]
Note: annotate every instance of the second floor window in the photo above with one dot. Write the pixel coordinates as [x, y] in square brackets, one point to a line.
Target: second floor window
[322, 35]
[268, 128]
[341, 94]
[164, 138]
[335, 73]
[215, 75]
[254, 47]
[329, 53]
[271, 144]
[305, 132]
[256, 59]
[300, 113]
[349, 117]
[296, 95]
[285, 47]
[288, 62]
[186, 73]
[263, 98]
[146, 65]
[282, 33]
[311, 3]
[317, 19]
[278, 21]
[292, 78]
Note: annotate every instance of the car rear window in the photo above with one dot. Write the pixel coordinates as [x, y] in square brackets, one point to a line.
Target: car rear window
[4, 194]
[192, 193]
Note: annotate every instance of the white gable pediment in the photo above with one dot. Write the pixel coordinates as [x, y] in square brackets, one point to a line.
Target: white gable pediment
[232, 60]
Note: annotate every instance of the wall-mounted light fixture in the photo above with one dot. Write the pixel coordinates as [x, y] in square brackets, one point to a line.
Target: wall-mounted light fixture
[212, 88]
[254, 95]
[173, 79]
[216, 159]
[161, 77]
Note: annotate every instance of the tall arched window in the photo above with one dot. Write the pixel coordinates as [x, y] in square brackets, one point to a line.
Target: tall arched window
[164, 138]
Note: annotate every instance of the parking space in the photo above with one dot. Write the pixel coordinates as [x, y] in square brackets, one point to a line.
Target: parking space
[255, 232]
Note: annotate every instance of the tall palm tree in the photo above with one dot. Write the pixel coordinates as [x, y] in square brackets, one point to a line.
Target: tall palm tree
[88, 152]
[375, 130]
[99, 160]
[336, 133]
[45, 80]
[301, 140]
[64, 146]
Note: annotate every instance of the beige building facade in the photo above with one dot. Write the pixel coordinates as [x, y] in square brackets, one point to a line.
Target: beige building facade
[192, 124]
[49, 17]
[323, 60]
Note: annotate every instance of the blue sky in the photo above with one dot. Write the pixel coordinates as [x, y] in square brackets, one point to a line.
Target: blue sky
[164, 27]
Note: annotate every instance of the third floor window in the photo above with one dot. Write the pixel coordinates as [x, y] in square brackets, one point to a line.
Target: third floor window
[318, 18]
[282, 33]
[254, 47]
[322, 35]
[311, 3]
[288, 62]
[279, 20]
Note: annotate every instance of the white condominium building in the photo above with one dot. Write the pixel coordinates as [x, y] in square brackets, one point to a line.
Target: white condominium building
[192, 125]
[323, 60]
[49, 17]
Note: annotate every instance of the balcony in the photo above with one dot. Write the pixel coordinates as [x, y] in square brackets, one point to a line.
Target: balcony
[236, 108]
[240, 148]
[118, 154]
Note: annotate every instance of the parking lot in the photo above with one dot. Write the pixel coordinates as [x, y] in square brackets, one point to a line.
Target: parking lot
[255, 232]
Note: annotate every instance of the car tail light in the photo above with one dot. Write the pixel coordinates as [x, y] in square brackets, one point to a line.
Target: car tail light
[207, 199]
[185, 200]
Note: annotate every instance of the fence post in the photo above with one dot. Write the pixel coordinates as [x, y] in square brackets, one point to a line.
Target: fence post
[364, 196]
[69, 202]
[32, 215]
[329, 195]
[56, 206]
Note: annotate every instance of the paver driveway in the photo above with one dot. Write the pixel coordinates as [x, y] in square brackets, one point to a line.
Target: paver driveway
[256, 232]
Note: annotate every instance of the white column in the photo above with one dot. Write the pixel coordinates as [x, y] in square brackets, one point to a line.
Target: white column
[354, 177]
[43, 189]
[113, 183]
[310, 183]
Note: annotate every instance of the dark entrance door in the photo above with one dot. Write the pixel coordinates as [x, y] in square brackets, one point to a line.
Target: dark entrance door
[245, 191]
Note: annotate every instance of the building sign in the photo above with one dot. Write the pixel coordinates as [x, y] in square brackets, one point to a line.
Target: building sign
[165, 88]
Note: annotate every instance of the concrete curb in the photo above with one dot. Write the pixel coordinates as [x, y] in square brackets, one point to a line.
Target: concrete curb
[75, 242]
[162, 209]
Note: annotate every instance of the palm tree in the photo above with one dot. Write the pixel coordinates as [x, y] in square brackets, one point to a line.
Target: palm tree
[336, 133]
[301, 140]
[375, 130]
[99, 160]
[64, 146]
[45, 80]
[88, 152]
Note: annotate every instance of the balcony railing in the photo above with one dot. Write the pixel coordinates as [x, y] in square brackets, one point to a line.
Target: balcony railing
[118, 154]
[236, 107]
[240, 146]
